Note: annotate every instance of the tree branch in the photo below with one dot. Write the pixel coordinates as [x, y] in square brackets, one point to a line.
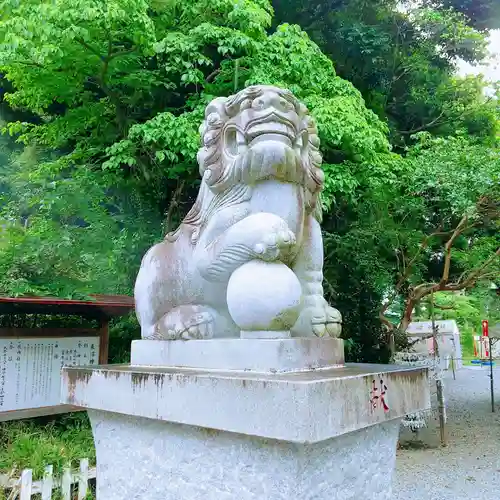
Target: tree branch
[448, 247]
[212, 75]
[383, 319]
[101, 79]
[426, 289]
[445, 308]
[476, 274]
[423, 127]
[29, 63]
[174, 203]
[83, 43]
[105, 67]
[466, 279]
[466, 112]
[408, 269]
[122, 53]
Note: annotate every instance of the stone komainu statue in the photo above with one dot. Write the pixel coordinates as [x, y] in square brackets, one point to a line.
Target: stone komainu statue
[259, 199]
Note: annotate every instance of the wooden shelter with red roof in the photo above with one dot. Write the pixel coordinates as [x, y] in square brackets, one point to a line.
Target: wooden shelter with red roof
[31, 358]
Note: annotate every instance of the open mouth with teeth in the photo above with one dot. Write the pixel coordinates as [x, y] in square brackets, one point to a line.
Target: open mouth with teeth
[271, 127]
[237, 140]
[271, 131]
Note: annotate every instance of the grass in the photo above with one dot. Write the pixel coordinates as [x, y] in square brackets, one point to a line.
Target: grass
[56, 495]
[35, 443]
[58, 440]
[467, 343]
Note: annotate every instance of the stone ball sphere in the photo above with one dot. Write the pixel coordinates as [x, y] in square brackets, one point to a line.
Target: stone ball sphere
[264, 296]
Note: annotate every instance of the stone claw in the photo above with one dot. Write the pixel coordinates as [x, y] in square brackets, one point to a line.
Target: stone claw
[274, 244]
[319, 321]
[285, 238]
[186, 323]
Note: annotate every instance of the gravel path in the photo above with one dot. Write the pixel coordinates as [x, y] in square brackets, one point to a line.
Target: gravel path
[469, 467]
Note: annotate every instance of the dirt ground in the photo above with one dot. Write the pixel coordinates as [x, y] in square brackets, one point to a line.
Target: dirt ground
[469, 467]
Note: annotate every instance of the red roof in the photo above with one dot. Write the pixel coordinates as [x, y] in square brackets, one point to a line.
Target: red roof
[108, 306]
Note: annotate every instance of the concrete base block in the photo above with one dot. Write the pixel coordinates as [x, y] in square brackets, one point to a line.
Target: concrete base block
[273, 430]
[246, 354]
[144, 459]
[303, 407]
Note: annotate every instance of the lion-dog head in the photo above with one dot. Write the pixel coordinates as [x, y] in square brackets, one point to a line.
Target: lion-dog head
[263, 132]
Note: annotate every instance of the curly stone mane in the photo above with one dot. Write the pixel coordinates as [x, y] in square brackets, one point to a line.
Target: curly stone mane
[226, 178]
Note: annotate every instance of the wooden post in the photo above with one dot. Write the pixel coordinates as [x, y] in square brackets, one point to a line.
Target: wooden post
[66, 482]
[392, 343]
[103, 342]
[26, 482]
[47, 483]
[453, 358]
[492, 390]
[83, 479]
[439, 382]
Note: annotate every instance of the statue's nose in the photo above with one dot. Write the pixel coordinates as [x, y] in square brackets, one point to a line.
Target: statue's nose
[271, 100]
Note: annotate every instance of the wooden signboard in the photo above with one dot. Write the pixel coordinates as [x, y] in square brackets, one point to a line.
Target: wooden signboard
[31, 358]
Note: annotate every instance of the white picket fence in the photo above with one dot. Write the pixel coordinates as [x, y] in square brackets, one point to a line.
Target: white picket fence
[24, 487]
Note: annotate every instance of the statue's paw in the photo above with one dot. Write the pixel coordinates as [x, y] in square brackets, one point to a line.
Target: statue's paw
[333, 322]
[319, 321]
[186, 323]
[274, 245]
[199, 326]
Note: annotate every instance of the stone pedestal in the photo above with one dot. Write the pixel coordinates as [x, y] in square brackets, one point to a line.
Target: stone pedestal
[285, 422]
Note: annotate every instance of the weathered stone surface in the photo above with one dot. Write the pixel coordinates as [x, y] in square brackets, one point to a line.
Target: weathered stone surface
[258, 201]
[264, 297]
[143, 459]
[263, 417]
[166, 433]
[303, 407]
[257, 355]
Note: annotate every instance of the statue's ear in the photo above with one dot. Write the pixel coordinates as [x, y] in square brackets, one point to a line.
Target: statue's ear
[318, 210]
[217, 105]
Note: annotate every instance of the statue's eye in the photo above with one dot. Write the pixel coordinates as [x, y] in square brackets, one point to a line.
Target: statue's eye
[213, 118]
[234, 141]
[285, 105]
[301, 109]
[301, 140]
[258, 103]
[245, 104]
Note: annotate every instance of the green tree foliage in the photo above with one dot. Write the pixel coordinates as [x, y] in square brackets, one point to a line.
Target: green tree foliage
[118, 91]
[435, 229]
[482, 14]
[449, 219]
[467, 310]
[403, 62]
[105, 99]
[71, 233]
